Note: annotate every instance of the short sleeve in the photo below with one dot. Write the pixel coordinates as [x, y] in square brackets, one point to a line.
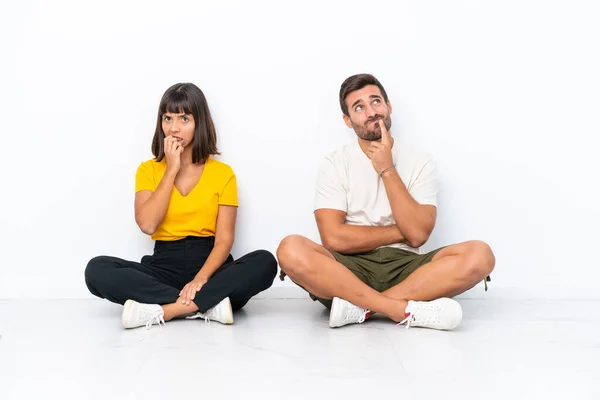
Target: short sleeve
[144, 178]
[425, 187]
[229, 194]
[330, 191]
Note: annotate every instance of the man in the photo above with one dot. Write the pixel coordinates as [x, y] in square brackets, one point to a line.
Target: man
[375, 206]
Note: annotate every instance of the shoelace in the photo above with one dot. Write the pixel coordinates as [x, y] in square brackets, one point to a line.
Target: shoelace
[408, 320]
[205, 317]
[157, 319]
[356, 314]
[422, 314]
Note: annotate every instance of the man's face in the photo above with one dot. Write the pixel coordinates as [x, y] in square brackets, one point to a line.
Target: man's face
[366, 107]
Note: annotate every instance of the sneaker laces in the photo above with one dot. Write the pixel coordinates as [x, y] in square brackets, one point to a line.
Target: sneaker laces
[204, 316]
[356, 314]
[155, 318]
[421, 313]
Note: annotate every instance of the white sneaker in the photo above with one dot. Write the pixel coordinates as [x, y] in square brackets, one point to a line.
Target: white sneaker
[221, 313]
[139, 314]
[444, 314]
[343, 313]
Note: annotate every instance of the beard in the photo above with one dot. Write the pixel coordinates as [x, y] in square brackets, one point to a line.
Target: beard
[372, 135]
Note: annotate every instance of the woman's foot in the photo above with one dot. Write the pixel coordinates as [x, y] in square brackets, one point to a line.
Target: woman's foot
[139, 314]
[221, 313]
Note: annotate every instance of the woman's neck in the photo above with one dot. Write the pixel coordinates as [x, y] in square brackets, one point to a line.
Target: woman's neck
[186, 156]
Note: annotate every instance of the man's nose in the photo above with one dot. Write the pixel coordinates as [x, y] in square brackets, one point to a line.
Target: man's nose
[370, 111]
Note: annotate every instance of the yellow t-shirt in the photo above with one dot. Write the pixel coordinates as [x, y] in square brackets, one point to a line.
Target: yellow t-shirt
[196, 213]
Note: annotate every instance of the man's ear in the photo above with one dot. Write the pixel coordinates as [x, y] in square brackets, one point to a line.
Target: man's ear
[347, 121]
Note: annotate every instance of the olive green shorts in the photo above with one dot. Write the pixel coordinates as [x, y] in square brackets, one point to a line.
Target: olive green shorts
[381, 268]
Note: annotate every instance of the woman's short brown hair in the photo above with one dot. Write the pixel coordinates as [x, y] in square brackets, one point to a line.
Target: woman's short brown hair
[187, 98]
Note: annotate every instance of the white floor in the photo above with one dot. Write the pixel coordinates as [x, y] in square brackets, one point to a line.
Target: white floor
[284, 349]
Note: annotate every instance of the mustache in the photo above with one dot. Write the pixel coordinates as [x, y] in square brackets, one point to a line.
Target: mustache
[375, 118]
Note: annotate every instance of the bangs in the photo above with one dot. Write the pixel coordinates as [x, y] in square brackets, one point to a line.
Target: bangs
[176, 103]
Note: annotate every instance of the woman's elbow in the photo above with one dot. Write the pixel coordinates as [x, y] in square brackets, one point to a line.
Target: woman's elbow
[148, 231]
[146, 227]
[225, 242]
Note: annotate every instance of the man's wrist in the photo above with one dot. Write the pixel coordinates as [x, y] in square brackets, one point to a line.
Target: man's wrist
[390, 168]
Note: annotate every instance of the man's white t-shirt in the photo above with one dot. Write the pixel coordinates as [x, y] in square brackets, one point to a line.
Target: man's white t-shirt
[348, 182]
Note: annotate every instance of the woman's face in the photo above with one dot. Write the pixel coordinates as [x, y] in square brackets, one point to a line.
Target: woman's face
[180, 126]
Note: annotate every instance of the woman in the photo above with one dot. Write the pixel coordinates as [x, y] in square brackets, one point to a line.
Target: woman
[187, 201]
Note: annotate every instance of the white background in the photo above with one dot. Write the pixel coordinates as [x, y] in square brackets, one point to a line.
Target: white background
[504, 94]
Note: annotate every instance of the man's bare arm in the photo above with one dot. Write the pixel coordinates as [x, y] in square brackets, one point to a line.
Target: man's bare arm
[415, 221]
[338, 236]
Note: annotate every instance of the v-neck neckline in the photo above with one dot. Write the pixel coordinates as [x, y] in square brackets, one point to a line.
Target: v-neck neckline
[197, 183]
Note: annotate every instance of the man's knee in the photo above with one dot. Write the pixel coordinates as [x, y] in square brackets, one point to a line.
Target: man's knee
[479, 260]
[292, 254]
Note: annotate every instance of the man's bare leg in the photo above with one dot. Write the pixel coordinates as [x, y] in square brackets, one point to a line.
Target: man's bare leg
[316, 270]
[452, 271]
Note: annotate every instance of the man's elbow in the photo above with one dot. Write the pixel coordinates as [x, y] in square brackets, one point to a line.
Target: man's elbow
[418, 239]
[331, 242]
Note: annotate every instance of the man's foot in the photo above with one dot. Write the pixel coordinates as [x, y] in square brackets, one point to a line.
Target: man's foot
[344, 313]
[139, 314]
[221, 313]
[444, 314]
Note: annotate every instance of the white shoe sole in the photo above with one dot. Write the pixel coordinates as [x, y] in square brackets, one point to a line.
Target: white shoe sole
[334, 313]
[126, 308]
[228, 318]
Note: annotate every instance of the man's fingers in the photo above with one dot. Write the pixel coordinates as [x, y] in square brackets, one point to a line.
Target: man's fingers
[386, 137]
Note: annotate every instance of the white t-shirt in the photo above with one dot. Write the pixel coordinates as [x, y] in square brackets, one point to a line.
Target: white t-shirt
[348, 182]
